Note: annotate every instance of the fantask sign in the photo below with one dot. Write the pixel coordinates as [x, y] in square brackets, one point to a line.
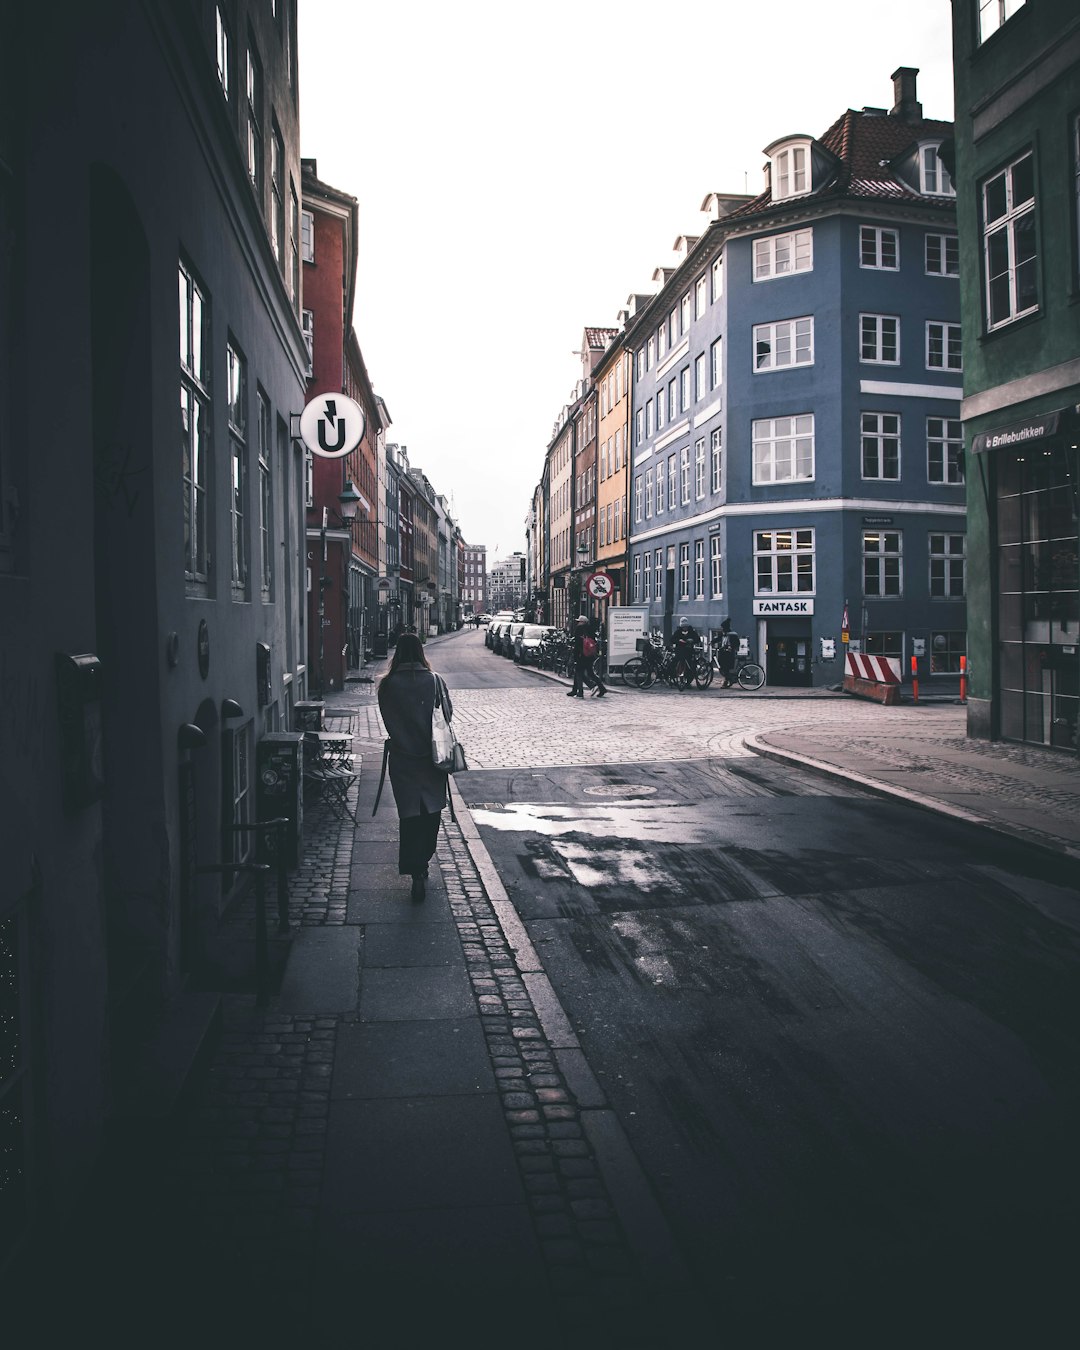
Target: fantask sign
[782, 607]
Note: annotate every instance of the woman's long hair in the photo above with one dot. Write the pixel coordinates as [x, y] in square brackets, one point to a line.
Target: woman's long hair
[409, 650]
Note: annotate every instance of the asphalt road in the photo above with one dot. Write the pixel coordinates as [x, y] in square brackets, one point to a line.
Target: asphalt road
[841, 1034]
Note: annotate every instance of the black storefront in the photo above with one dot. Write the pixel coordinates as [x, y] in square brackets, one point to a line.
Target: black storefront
[1034, 477]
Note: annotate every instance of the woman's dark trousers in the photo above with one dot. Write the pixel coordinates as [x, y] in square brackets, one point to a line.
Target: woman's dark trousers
[418, 836]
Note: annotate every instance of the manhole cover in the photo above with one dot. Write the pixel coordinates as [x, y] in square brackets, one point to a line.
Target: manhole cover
[620, 790]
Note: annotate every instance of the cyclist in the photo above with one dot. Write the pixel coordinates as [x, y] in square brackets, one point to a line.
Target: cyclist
[682, 643]
[728, 653]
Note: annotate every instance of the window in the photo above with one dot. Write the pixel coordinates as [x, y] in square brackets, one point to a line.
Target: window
[660, 410]
[637, 497]
[934, 178]
[716, 567]
[673, 324]
[881, 445]
[671, 483]
[885, 644]
[294, 245]
[307, 236]
[780, 255]
[648, 579]
[660, 489]
[1009, 251]
[718, 278]
[641, 363]
[618, 449]
[648, 494]
[266, 499]
[882, 564]
[684, 475]
[618, 520]
[879, 248]
[947, 566]
[236, 395]
[783, 562]
[790, 172]
[716, 451]
[658, 572]
[684, 571]
[222, 45]
[943, 350]
[239, 844]
[661, 342]
[277, 196]
[195, 424]
[716, 363]
[699, 569]
[684, 313]
[637, 577]
[789, 342]
[648, 419]
[254, 120]
[700, 386]
[650, 348]
[879, 339]
[942, 255]
[946, 649]
[672, 401]
[783, 449]
[993, 13]
[701, 296]
[684, 388]
[640, 426]
[307, 320]
[699, 469]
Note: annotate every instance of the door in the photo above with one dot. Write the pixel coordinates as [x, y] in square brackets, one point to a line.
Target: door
[788, 660]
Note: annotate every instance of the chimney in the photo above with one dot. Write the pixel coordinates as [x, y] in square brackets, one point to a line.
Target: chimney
[905, 105]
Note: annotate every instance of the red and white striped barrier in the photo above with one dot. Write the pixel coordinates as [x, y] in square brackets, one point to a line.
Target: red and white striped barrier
[882, 669]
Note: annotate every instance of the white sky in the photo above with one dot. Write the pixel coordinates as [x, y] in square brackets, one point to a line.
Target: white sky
[522, 167]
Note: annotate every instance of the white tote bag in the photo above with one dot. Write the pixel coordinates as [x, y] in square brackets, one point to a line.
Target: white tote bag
[446, 751]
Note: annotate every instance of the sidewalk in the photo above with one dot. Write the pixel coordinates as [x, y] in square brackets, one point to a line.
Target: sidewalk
[408, 1141]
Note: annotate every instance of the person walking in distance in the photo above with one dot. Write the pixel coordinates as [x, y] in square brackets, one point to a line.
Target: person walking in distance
[729, 651]
[406, 700]
[585, 650]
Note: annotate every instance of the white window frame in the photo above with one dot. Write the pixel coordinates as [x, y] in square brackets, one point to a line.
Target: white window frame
[876, 243]
[648, 494]
[648, 418]
[701, 295]
[994, 14]
[647, 594]
[650, 354]
[880, 439]
[716, 455]
[699, 569]
[877, 556]
[658, 573]
[1014, 218]
[661, 341]
[684, 475]
[684, 389]
[307, 323]
[777, 450]
[716, 567]
[638, 504]
[637, 577]
[717, 278]
[222, 45]
[791, 173]
[700, 387]
[672, 481]
[934, 179]
[944, 338]
[684, 313]
[684, 571]
[783, 255]
[699, 469]
[947, 249]
[716, 363]
[949, 552]
[196, 423]
[266, 496]
[660, 507]
[783, 344]
[236, 408]
[784, 555]
[659, 410]
[876, 326]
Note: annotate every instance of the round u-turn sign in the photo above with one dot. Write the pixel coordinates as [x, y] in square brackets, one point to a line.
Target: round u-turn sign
[332, 425]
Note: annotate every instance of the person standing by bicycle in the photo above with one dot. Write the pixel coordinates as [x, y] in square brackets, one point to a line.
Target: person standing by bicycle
[585, 653]
[683, 643]
[728, 653]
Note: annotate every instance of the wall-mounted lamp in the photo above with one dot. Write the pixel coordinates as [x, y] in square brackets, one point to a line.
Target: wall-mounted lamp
[190, 737]
[230, 708]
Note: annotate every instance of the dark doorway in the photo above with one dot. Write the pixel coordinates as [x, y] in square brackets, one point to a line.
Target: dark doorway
[789, 659]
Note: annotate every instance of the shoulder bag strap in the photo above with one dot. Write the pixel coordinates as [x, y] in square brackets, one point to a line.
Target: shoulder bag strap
[382, 776]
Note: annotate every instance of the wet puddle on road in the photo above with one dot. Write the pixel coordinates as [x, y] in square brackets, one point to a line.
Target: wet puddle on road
[670, 822]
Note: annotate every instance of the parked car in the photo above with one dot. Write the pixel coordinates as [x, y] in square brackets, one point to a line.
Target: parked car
[503, 616]
[483, 620]
[527, 643]
[510, 639]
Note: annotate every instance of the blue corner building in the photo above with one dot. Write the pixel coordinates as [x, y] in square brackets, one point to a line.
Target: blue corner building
[797, 448]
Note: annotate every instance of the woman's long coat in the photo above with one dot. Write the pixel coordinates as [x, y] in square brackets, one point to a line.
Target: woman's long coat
[406, 699]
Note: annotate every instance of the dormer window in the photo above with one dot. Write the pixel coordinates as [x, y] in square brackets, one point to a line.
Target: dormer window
[790, 171]
[934, 180]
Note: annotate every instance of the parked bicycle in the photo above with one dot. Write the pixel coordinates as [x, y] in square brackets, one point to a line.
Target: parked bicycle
[746, 674]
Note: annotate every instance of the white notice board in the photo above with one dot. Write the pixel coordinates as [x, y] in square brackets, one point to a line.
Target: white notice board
[625, 624]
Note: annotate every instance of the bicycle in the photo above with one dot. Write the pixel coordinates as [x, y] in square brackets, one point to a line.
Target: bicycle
[745, 673]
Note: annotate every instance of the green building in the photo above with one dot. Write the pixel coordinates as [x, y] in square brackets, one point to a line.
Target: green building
[1017, 78]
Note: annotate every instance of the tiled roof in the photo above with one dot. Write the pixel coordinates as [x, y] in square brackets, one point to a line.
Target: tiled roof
[597, 339]
[865, 144]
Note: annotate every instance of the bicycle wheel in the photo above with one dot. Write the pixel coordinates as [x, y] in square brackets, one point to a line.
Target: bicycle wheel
[703, 676]
[751, 676]
[645, 675]
[628, 672]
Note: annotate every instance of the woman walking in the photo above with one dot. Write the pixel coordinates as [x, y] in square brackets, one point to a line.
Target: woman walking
[406, 698]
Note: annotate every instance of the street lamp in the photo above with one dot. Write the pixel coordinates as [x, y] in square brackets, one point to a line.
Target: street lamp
[579, 574]
[349, 499]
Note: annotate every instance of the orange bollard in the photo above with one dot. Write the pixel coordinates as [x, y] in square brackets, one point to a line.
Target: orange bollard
[915, 679]
[963, 679]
